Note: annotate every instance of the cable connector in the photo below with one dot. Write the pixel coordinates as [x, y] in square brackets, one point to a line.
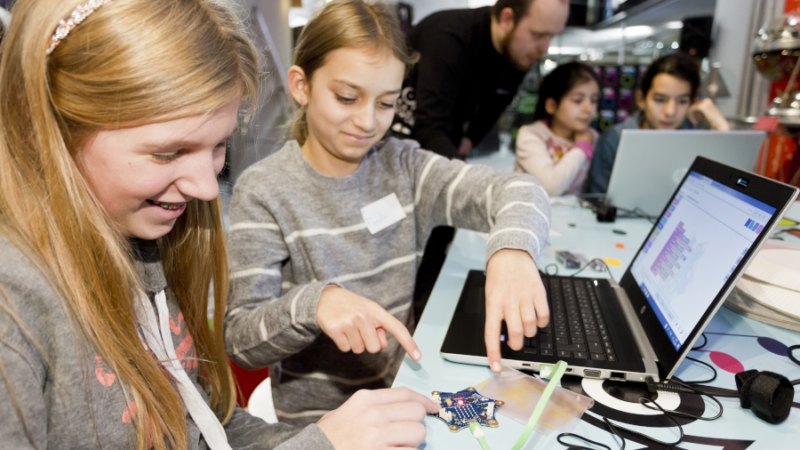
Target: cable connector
[665, 386]
[478, 433]
[476, 430]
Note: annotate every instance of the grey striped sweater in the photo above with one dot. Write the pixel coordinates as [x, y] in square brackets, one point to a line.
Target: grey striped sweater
[295, 231]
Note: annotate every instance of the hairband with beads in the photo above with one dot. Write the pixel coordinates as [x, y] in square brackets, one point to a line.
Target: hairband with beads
[79, 14]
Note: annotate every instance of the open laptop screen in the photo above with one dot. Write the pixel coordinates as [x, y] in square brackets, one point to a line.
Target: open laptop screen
[696, 245]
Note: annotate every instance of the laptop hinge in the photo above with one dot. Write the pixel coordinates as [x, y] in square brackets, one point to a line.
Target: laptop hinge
[639, 336]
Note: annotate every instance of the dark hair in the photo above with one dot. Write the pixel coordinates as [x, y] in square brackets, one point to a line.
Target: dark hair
[559, 82]
[520, 8]
[679, 65]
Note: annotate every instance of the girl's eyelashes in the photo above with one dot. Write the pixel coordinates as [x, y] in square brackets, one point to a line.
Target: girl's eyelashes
[172, 156]
[345, 100]
[167, 157]
[680, 100]
[350, 101]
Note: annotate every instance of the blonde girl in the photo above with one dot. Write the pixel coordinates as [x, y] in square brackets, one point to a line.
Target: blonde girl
[113, 126]
[327, 234]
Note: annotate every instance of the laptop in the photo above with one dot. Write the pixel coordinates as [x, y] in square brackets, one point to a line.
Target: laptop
[650, 163]
[644, 326]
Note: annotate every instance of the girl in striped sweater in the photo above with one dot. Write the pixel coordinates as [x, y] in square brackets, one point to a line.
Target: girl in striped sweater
[327, 234]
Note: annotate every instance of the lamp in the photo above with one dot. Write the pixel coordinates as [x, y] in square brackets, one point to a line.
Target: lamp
[777, 56]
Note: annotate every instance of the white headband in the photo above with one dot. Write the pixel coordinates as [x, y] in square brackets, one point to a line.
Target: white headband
[79, 14]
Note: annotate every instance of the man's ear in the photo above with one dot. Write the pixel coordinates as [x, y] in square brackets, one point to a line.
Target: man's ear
[640, 100]
[550, 106]
[299, 86]
[506, 20]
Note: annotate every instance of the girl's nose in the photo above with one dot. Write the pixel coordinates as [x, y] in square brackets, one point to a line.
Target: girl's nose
[199, 177]
[365, 118]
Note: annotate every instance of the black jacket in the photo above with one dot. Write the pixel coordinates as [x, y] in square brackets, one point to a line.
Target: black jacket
[461, 84]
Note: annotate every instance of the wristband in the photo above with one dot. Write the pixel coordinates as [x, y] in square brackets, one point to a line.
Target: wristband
[768, 394]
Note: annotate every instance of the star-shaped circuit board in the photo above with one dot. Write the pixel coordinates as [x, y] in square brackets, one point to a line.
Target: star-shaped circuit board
[459, 409]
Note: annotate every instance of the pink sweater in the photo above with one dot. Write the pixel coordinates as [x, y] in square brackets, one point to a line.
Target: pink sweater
[560, 165]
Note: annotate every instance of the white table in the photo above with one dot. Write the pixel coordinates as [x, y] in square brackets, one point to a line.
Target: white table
[433, 373]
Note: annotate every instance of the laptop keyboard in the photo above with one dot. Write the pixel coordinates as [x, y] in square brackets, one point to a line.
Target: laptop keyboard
[576, 329]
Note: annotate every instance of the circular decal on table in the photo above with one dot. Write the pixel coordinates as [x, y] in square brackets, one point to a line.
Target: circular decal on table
[594, 389]
[619, 401]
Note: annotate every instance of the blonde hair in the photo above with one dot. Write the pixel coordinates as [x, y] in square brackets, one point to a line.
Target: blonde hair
[131, 63]
[347, 24]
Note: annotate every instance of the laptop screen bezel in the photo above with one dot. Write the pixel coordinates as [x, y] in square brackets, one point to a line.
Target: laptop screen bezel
[771, 192]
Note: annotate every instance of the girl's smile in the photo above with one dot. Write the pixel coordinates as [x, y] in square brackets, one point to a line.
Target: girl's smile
[145, 176]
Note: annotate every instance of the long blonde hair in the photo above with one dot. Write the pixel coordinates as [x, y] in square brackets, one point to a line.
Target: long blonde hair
[347, 24]
[132, 62]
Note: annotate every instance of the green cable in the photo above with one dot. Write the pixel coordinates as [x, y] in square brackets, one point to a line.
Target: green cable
[555, 377]
[477, 431]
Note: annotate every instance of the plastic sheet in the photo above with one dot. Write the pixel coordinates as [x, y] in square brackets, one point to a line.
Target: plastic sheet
[521, 393]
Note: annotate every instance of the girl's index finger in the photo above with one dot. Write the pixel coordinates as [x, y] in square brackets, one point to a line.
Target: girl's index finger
[400, 332]
[492, 331]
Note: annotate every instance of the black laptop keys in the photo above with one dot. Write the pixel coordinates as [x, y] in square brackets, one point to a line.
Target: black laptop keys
[576, 329]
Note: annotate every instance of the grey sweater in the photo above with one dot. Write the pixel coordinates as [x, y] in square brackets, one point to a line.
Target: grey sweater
[77, 402]
[295, 231]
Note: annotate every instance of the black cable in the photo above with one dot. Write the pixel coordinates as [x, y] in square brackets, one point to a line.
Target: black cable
[789, 353]
[713, 370]
[692, 386]
[705, 341]
[580, 447]
[551, 274]
[583, 202]
[692, 389]
[672, 385]
[637, 212]
[613, 430]
[608, 269]
[667, 414]
[702, 392]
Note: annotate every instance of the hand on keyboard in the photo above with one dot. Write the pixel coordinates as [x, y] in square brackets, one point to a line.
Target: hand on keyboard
[514, 293]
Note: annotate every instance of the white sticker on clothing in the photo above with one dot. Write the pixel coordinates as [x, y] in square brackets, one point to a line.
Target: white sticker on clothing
[383, 213]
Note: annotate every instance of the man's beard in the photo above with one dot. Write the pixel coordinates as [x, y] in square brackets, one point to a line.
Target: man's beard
[505, 48]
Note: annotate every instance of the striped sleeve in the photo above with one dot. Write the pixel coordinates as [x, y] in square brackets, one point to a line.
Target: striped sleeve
[266, 320]
[512, 207]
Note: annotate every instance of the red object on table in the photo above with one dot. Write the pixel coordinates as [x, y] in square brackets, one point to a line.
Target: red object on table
[247, 381]
[779, 158]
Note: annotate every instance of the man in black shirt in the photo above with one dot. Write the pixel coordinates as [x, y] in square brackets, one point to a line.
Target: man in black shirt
[471, 64]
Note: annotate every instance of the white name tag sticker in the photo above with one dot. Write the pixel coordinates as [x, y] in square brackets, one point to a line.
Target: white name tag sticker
[383, 213]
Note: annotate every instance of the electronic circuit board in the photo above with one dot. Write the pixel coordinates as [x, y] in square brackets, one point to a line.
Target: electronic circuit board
[459, 409]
